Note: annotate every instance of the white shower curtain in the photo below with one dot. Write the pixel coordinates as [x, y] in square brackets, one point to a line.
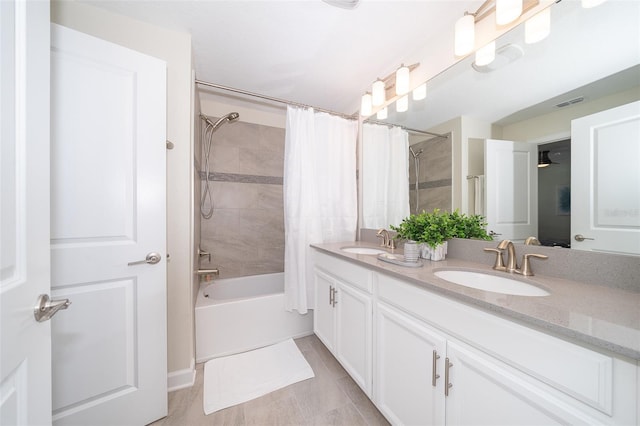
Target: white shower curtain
[320, 195]
[385, 175]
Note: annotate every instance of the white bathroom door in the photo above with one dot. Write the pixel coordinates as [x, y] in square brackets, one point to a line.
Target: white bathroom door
[108, 214]
[25, 344]
[511, 179]
[605, 180]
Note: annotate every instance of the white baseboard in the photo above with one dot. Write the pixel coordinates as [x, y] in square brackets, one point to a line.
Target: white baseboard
[182, 378]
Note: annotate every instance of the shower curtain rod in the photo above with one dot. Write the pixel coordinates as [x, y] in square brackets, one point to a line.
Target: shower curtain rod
[424, 132]
[271, 98]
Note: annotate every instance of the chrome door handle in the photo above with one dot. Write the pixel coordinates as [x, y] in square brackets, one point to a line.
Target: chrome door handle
[46, 308]
[580, 237]
[151, 259]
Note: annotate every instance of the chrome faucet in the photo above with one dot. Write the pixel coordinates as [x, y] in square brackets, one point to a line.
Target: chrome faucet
[387, 241]
[512, 262]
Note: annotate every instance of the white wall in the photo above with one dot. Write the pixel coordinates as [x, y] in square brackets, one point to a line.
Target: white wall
[174, 48]
[557, 124]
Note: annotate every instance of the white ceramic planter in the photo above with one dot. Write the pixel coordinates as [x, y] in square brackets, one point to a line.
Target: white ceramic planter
[436, 254]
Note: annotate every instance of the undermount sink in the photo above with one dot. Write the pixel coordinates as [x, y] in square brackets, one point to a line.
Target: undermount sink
[494, 283]
[362, 250]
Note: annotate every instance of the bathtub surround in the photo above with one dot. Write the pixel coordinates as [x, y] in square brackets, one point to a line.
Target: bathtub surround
[245, 235]
[320, 194]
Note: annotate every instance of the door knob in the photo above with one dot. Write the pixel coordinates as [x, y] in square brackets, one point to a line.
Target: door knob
[580, 237]
[46, 308]
[151, 259]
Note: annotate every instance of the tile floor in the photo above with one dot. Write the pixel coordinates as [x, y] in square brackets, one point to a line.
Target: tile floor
[330, 398]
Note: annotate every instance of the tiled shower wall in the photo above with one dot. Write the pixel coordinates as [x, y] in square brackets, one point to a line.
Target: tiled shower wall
[245, 235]
[434, 178]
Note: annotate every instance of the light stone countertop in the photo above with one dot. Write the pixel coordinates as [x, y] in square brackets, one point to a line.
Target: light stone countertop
[604, 317]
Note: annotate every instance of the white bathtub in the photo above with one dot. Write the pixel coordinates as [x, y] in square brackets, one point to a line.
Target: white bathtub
[240, 314]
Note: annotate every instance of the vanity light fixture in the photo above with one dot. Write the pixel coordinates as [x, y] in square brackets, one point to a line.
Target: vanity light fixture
[420, 92]
[402, 80]
[378, 95]
[365, 105]
[486, 54]
[538, 27]
[465, 36]
[382, 114]
[402, 104]
[587, 4]
[508, 11]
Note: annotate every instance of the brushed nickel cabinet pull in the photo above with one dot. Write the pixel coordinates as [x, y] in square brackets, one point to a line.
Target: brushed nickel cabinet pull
[447, 385]
[434, 376]
[335, 301]
[331, 295]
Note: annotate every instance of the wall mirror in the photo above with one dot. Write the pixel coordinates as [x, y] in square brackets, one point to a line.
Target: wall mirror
[588, 63]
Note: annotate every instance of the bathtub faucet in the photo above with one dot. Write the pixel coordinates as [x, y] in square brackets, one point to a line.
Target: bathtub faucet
[213, 271]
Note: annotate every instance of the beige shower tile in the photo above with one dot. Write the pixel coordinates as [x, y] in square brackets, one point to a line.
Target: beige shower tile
[231, 195]
[435, 198]
[272, 137]
[270, 197]
[261, 162]
[224, 159]
[239, 134]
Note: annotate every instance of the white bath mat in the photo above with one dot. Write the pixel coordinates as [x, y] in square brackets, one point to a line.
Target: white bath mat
[242, 377]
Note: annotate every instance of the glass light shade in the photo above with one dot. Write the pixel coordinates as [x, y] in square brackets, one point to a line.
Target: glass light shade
[486, 54]
[538, 27]
[465, 35]
[365, 105]
[587, 4]
[402, 80]
[402, 104]
[382, 114]
[420, 92]
[507, 11]
[377, 93]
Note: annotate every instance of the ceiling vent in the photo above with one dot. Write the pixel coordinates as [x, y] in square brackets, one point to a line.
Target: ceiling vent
[570, 102]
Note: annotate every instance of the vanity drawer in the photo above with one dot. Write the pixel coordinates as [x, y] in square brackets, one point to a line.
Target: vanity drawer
[345, 271]
[582, 373]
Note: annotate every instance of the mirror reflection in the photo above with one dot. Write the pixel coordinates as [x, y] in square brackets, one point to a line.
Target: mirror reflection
[531, 94]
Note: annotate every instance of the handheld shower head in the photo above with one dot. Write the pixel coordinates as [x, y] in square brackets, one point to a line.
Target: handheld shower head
[232, 116]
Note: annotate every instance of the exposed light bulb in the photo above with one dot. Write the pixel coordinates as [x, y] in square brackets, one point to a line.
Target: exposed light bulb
[402, 80]
[587, 4]
[507, 11]
[378, 92]
[538, 27]
[365, 105]
[464, 38]
[382, 114]
[402, 104]
[420, 92]
[486, 54]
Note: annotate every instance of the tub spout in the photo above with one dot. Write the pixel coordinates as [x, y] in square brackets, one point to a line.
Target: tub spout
[213, 271]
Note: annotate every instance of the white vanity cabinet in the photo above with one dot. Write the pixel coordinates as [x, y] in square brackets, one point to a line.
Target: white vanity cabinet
[409, 360]
[343, 315]
[499, 372]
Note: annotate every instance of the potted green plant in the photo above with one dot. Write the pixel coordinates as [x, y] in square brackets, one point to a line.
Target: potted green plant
[434, 229]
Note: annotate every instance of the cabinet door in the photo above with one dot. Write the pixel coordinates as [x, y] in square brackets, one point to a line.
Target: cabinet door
[354, 334]
[405, 375]
[485, 391]
[323, 314]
